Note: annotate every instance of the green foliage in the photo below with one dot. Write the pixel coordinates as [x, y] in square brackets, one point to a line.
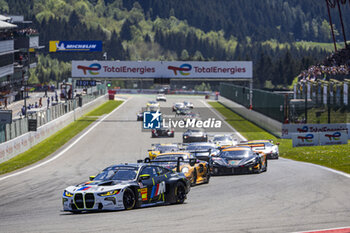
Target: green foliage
[186, 30]
[4, 7]
[49, 70]
[203, 87]
[105, 108]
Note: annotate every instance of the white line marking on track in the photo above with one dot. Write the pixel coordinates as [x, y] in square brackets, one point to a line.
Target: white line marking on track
[223, 120]
[66, 149]
[322, 167]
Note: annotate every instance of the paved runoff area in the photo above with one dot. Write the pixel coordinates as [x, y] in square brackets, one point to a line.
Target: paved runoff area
[289, 197]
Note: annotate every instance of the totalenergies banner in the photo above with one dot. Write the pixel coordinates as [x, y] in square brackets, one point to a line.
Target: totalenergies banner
[320, 138]
[162, 69]
[333, 138]
[305, 139]
[289, 129]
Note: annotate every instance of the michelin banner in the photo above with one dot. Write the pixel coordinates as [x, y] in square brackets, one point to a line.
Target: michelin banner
[75, 46]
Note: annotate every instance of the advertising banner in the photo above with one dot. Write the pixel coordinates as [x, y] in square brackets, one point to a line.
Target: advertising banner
[162, 69]
[333, 138]
[305, 139]
[75, 46]
[289, 129]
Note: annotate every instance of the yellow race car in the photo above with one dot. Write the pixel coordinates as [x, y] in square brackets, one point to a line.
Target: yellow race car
[197, 174]
[158, 149]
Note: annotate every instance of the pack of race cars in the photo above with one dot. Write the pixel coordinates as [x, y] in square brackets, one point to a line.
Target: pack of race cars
[169, 171]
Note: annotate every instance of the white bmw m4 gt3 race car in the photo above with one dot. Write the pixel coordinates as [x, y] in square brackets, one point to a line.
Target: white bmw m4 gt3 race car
[127, 186]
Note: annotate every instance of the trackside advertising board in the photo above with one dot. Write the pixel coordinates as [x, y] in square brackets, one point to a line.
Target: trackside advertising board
[320, 138]
[75, 46]
[289, 129]
[162, 69]
[333, 138]
[305, 139]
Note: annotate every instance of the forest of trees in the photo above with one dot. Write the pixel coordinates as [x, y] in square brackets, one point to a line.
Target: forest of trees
[264, 31]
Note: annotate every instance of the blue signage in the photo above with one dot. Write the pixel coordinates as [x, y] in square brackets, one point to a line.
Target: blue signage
[152, 120]
[75, 46]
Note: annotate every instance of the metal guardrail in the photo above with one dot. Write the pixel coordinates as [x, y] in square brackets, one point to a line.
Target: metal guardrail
[44, 115]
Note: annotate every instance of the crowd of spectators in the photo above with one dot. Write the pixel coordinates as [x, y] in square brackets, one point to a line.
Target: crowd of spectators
[6, 36]
[26, 31]
[336, 66]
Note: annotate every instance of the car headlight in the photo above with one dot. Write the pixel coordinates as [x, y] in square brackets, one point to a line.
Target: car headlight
[67, 194]
[185, 170]
[109, 193]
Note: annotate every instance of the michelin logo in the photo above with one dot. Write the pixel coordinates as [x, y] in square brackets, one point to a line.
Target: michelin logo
[75, 46]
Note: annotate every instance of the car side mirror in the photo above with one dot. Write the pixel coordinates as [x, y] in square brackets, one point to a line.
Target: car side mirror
[145, 177]
[91, 178]
[192, 162]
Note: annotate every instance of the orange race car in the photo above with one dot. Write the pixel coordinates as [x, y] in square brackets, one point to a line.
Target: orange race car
[238, 160]
[197, 174]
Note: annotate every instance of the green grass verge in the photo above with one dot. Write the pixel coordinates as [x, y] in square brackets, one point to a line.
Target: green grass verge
[336, 157]
[57, 140]
[105, 108]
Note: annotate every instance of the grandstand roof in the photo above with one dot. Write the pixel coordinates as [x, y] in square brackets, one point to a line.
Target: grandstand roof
[4, 18]
[5, 25]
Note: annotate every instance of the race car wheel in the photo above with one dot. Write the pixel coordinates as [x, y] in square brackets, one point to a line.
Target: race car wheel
[180, 193]
[129, 199]
[194, 180]
[265, 167]
[207, 178]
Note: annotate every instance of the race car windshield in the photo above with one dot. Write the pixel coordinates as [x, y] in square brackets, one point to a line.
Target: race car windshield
[223, 138]
[118, 174]
[171, 157]
[166, 148]
[191, 148]
[195, 130]
[236, 154]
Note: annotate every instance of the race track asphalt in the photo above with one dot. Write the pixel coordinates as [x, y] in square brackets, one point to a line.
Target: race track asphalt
[291, 196]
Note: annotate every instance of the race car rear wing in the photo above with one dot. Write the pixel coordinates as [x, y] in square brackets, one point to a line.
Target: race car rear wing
[179, 160]
[252, 145]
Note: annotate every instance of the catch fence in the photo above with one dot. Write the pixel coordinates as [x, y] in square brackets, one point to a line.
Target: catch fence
[44, 115]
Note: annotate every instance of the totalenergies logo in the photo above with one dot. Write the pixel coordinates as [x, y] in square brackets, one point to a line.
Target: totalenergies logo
[306, 138]
[92, 68]
[335, 136]
[303, 130]
[182, 69]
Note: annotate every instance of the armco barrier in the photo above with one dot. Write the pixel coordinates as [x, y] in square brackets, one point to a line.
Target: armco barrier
[259, 119]
[24, 142]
